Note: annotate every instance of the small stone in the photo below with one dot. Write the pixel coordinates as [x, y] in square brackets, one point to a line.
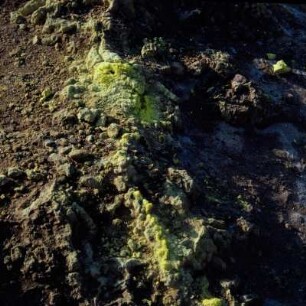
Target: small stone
[101, 122]
[80, 155]
[66, 169]
[65, 150]
[88, 115]
[90, 138]
[55, 158]
[62, 142]
[249, 300]
[22, 26]
[182, 179]
[49, 143]
[216, 223]
[229, 284]
[71, 47]
[36, 40]
[281, 67]
[72, 261]
[238, 82]
[20, 189]
[113, 130]
[73, 279]
[72, 90]
[67, 118]
[46, 95]
[15, 173]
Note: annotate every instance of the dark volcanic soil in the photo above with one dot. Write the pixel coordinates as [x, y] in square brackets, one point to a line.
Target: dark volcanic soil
[248, 163]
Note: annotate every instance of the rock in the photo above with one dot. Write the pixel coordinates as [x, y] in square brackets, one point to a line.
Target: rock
[36, 40]
[94, 182]
[88, 115]
[281, 67]
[51, 25]
[72, 261]
[15, 17]
[30, 7]
[4, 181]
[216, 223]
[16, 254]
[62, 141]
[65, 150]
[113, 130]
[50, 40]
[133, 264]
[245, 226]
[65, 118]
[34, 175]
[102, 120]
[182, 179]
[120, 183]
[70, 81]
[39, 16]
[244, 104]
[73, 279]
[49, 143]
[22, 27]
[174, 196]
[90, 138]
[80, 155]
[55, 158]
[237, 82]
[66, 169]
[73, 91]
[126, 6]
[20, 189]
[68, 27]
[154, 48]
[15, 173]
[229, 284]
[250, 300]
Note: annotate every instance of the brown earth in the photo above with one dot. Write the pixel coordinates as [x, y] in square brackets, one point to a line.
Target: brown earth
[252, 166]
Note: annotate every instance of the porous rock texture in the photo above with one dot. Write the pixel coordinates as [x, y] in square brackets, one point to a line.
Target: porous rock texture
[129, 198]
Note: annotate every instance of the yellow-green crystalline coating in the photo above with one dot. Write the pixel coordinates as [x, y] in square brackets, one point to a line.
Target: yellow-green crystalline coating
[123, 86]
[271, 56]
[171, 248]
[213, 302]
[281, 67]
[153, 232]
[129, 75]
